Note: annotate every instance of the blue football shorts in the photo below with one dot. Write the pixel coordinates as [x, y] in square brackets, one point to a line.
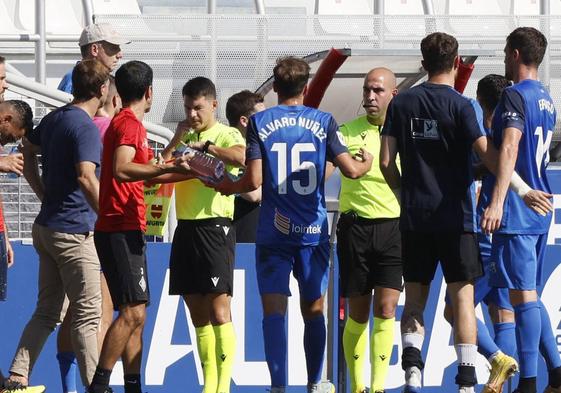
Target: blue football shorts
[308, 264]
[483, 291]
[517, 261]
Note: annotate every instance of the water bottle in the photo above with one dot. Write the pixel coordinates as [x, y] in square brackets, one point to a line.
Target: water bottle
[205, 166]
[12, 175]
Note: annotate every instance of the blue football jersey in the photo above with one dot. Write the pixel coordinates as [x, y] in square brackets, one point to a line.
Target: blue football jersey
[528, 107]
[294, 143]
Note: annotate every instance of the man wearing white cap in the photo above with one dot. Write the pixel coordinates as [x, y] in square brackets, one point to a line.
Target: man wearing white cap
[98, 41]
[101, 42]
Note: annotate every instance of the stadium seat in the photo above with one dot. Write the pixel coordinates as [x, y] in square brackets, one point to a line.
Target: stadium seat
[60, 18]
[478, 20]
[352, 26]
[7, 26]
[403, 7]
[395, 11]
[345, 7]
[116, 7]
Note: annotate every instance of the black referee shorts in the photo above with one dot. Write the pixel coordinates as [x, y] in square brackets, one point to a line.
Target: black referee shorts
[369, 253]
[202, 257]
[457, 252]
[123, 259]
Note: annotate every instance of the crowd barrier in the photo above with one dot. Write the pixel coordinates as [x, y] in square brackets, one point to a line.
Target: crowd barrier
[170, 355]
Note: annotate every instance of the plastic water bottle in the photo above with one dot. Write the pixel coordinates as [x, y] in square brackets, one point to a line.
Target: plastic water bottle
[12, 175]
[205, 166]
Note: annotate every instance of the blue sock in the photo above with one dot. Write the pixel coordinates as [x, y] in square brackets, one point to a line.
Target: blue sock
[314, 347]
[485, 344]
[528, 327]
[548, 344]
[274, 337]
[505, 337]
[67, 364]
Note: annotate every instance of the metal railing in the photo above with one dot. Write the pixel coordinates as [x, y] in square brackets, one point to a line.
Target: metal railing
[20, 203]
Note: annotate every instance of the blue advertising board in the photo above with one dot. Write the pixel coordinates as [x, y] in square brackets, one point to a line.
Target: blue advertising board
[170, 356]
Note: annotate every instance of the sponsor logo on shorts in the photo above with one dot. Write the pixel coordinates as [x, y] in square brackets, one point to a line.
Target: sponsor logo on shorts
[142, 281]
[215, 280]
[283, 224]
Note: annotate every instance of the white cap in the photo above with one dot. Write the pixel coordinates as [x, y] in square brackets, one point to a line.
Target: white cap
[101, 32]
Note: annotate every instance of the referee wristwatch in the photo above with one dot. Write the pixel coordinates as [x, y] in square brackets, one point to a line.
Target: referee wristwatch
[206, 146]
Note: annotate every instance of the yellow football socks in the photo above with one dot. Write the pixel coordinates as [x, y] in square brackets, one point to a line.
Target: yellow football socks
[355, 339]
[207, 355]
[381, 345]
[225, 353]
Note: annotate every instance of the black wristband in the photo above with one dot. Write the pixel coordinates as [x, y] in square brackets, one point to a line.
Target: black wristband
[206, 146]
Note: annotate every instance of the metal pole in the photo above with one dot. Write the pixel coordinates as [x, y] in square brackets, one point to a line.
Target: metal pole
[41, 45]
[379, 7]
[88, 12]
[430, 22]
[545, 22]
[260, 7]
[428, 7]
[211, 6]
[316, 7]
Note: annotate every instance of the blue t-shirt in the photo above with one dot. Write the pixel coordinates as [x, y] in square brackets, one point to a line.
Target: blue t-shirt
[435, 128]
[67, 136]
[528, 107]
[66, 82]
[294, 143]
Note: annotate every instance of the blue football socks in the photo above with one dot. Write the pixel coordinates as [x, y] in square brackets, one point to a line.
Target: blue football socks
[505, 337]
[274, 336]
[485, 344]
[548, 344]
[314, 347]
[68, 366]
[528, 327]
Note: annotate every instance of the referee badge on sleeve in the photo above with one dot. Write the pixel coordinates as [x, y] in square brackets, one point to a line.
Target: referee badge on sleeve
[424, 129]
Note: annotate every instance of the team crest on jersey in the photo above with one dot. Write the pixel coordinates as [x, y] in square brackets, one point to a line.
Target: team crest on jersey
[424, 129]
[341, 138]
[282, 223]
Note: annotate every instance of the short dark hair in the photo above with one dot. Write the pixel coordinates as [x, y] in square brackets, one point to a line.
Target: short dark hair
[199, 87]
[87, 78]
[241, 104]
[133, 79]
[531, 44]
[439, 51]
[489, 90]
[24, 114]
[291, 76]
[2, 59]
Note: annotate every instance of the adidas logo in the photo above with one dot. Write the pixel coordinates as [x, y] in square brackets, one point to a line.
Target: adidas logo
[382, 357]
[223, 357]
[356, 357]
[215, 280]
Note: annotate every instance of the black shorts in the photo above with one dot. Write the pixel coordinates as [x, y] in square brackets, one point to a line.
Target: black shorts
[457, 252]
[202, 257]
[123, 259]
[369, 253]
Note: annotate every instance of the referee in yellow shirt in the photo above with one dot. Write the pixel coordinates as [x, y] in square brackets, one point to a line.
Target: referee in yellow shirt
[369, 242]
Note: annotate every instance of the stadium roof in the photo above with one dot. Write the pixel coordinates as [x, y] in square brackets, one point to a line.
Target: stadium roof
[405, 63]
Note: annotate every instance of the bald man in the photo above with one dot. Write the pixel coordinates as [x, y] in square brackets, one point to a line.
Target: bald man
[369, 242]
